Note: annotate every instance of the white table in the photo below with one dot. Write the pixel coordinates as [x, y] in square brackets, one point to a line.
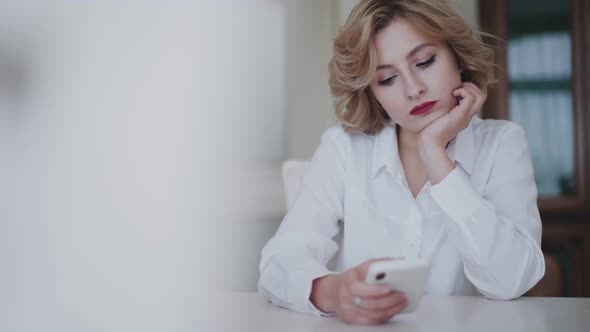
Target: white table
[251, 312]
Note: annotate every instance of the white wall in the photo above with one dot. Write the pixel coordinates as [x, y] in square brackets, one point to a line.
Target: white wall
[309, 48]
[140, 161]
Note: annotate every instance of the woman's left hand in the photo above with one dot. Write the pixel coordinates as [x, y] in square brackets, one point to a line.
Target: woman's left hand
[438, 134]
[433, 140]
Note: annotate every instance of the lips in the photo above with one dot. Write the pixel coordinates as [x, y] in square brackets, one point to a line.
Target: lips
[423, 108]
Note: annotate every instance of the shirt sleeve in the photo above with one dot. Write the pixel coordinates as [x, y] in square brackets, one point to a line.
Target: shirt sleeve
[498, 234]
[303, 245]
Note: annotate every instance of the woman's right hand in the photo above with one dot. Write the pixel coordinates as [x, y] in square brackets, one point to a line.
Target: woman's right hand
[374, 304]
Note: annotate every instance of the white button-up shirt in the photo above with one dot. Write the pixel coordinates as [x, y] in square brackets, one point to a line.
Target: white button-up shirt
[479, 227]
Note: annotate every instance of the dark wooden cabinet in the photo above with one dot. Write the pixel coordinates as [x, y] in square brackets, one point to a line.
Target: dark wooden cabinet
[542, 51]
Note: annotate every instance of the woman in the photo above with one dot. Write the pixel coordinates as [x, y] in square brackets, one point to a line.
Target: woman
[410, 172]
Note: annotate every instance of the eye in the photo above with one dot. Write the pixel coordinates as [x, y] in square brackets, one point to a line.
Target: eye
[387, 81]
[426, 63]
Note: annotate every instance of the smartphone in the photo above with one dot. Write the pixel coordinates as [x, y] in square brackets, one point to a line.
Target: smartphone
[407, 276]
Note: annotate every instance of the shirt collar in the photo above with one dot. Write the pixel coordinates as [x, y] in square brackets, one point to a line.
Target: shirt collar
[386, 155]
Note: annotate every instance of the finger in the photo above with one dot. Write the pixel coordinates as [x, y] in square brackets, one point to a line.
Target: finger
[384, 303]
[388, 312]
[380, 317]
[464, 93]
[358, 315]
[479, 104]
[367, 317]
[469, 84]
[353, 310]
[368, 291]
[380, 310]
[348, 299]
[480, 97]
[466, 100]
[475, 88]
[395, 310]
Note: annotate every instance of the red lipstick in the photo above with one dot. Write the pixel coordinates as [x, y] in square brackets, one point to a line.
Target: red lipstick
[423, 108]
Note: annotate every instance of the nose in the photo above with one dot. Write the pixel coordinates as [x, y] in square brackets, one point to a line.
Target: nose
[415, 87]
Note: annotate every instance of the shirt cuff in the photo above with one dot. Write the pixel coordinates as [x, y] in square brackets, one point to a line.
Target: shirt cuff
[310, 306]
[455, 195]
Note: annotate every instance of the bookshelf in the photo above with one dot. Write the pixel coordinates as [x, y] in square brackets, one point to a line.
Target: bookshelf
[544, 85]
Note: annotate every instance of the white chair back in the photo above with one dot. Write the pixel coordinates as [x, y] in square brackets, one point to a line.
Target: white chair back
[292, 172]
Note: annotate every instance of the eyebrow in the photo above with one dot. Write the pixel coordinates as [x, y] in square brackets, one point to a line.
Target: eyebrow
[410, 54]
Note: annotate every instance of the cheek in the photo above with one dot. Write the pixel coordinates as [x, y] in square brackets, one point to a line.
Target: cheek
[446, 71]
[392, 101]
[385, 96]
[447, 81]
[445, 93]
[447, 76]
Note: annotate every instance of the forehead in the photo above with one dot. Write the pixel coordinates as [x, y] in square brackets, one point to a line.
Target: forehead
[397, 39]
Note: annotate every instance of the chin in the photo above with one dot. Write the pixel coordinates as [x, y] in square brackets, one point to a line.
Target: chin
[417, 128]
[437, 114]
[430, 118]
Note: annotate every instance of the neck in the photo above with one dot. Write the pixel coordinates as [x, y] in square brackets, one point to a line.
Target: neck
[407, 140]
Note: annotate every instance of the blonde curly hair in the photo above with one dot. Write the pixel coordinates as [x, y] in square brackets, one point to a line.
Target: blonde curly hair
[354, 63]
